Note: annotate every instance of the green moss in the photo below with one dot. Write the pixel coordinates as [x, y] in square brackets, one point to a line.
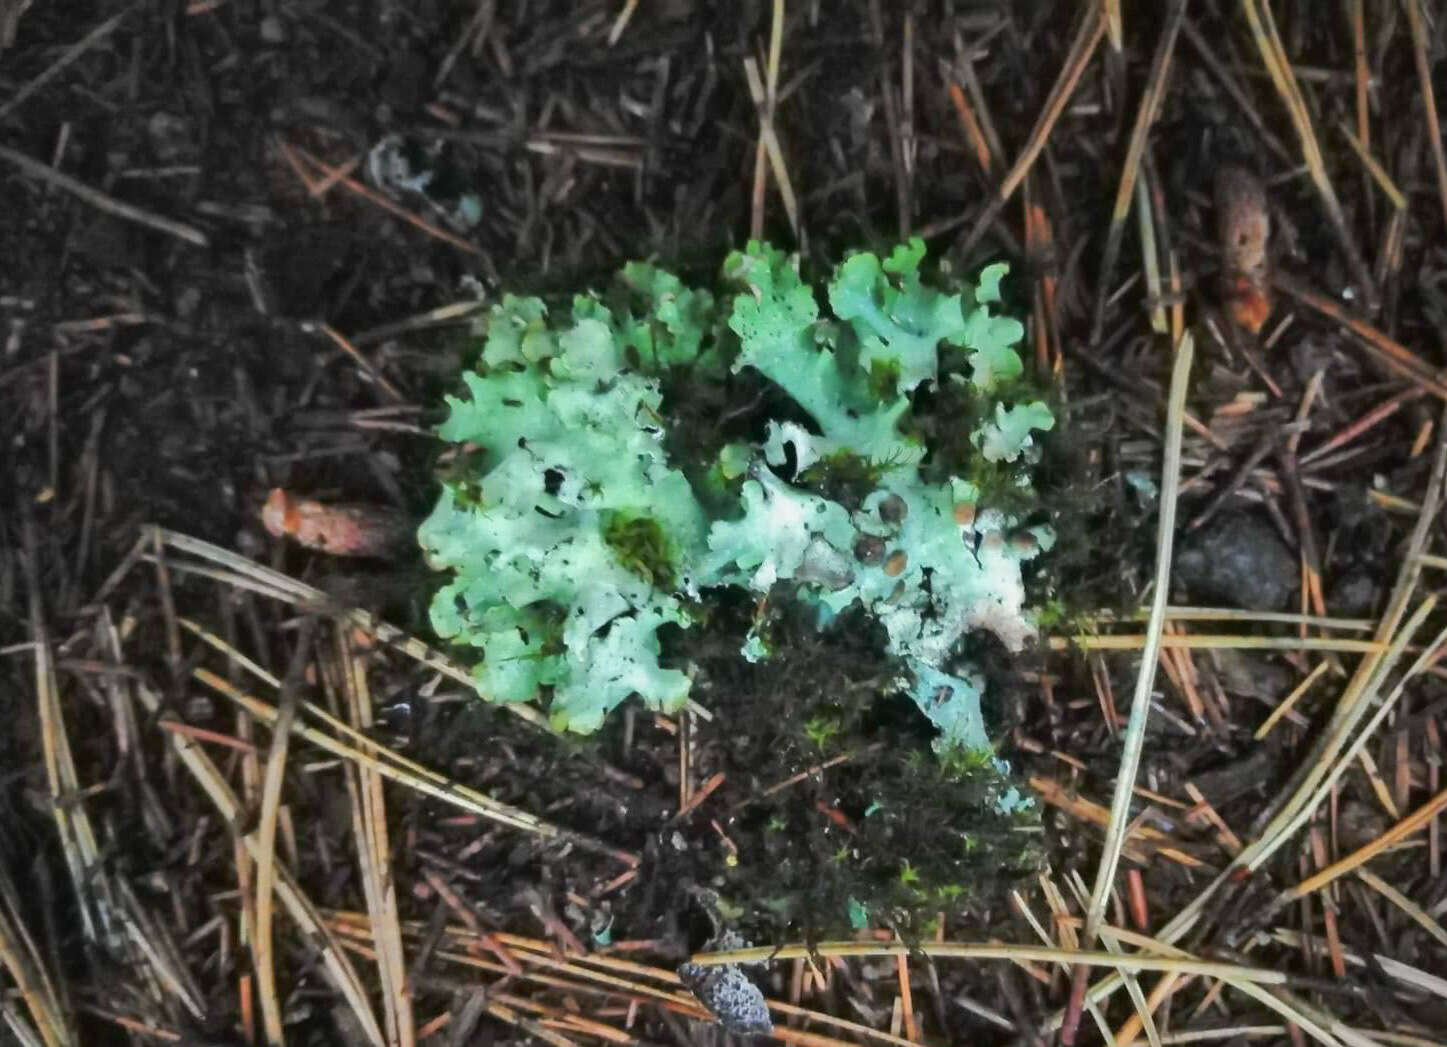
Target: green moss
[884, 379]
[641, 547]
[843, 477]
[822, 730]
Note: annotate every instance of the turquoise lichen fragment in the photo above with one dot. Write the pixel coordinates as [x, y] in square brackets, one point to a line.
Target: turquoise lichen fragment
[1007, 435]
[900, 323]
[572, 539]
[675, 325]
[991, 339]
[988, 288]
[775, 318]
[784, 533]
[571, 440]
[952, 704]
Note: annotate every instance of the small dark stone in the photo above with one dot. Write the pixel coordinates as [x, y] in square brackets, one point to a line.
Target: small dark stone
[1355, 594]
[1237, 560]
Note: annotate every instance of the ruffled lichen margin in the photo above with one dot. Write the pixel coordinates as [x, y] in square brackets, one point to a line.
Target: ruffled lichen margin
[572, 534]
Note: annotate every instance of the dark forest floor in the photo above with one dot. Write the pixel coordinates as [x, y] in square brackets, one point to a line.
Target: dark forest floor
[207, 293]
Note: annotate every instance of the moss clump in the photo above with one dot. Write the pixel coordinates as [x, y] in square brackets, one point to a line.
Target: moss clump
[880, 829]
[641, 547]
[843, 477]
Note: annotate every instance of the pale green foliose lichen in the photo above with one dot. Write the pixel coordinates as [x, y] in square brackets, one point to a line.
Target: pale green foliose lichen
[576, 538]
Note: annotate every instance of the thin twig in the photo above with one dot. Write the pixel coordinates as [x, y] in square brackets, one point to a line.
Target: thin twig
[103, 202]
[68, 56]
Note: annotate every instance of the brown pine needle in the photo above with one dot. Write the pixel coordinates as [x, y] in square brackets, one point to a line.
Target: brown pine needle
[361, 361]
[1399, 832]
[1146, 114]
[1278, 65]
[1087, 38]
[1289, 702]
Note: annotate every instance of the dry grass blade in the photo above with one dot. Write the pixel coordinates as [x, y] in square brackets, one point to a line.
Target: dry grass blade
[72, 822]
[1143, 1018]
[1236, 614]
[1278, 65]
[1418, 915]
[20, 956]
[1219, 641]
[763, 91]
[282, 587]
[266, 835]
[392, 765]
[1375, 169]
[1140, 704]
[1096, 1014]
[314, 929]
[996, 951]
[1150, 108]
[369, 827]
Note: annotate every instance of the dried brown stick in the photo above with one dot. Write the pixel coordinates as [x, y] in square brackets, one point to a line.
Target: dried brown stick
[102, 201]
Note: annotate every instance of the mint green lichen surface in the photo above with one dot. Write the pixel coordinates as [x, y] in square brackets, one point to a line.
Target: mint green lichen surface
[573, 528]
